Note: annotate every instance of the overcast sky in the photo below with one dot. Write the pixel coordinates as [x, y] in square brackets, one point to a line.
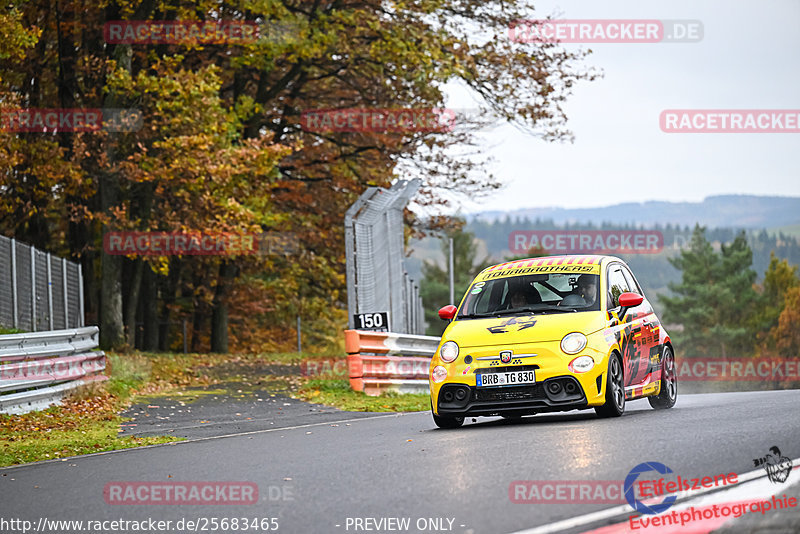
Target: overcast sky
[749, 58]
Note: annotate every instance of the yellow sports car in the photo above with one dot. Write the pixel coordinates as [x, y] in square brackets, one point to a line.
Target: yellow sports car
[551, 334]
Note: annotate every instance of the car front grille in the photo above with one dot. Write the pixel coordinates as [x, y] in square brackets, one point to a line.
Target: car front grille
[510, 393]
[506, 368]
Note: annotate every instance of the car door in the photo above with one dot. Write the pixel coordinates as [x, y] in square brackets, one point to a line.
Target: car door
[630, 328]
[651, 349]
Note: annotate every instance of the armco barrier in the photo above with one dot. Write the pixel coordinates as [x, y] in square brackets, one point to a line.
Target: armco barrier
[38, 368]
[385, 361]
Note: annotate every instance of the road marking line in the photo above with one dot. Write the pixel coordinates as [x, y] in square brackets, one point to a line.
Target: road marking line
[683, 497]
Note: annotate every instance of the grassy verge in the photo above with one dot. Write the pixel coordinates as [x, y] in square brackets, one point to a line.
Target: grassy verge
[86, 422]
[337, 393]
[89, 420]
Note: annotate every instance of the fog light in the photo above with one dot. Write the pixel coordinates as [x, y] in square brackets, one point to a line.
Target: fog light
[439, 374]
[581, 364]
[570, 387]
[461, 394]
[448, 396]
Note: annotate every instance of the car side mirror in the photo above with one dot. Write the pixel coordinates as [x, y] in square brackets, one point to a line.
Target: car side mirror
[628, 300]
[448, 312]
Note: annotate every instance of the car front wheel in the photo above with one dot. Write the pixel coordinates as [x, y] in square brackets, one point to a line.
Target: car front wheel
[443, 421]
[615, 390]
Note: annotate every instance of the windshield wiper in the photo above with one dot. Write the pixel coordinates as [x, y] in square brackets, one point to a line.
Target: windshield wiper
[477, 315]
[534, 310]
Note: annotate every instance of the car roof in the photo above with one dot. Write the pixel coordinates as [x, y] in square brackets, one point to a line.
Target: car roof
[564, 259]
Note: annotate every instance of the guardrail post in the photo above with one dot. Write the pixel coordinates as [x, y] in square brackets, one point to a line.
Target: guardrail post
[66, 297]
[80, 295]
[14, 283]
[33, 289]
[49, 293]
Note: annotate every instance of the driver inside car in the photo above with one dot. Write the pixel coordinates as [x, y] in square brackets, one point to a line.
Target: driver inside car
[522, 297]
[587, 288]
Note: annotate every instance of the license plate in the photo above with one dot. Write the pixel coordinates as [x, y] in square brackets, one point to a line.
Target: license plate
[512, 378]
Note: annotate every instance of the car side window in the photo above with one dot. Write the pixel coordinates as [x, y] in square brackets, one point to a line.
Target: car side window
[617, 285]
[632, 285]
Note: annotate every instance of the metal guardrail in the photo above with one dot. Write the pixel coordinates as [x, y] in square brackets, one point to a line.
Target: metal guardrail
[386, 361]
[38, 368]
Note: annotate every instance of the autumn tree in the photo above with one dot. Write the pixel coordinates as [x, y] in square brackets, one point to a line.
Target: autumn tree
[223, 145]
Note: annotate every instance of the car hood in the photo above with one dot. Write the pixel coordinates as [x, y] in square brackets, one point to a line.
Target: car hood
[514, 329]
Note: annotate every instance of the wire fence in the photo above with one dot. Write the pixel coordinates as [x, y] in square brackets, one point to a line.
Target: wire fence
[38, 291]
[377, 280]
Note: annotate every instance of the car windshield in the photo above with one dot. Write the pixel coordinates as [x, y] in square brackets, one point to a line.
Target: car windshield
[532, 294]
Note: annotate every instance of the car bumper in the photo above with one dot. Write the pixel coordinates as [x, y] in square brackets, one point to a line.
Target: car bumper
[520, 400]
[458, 394]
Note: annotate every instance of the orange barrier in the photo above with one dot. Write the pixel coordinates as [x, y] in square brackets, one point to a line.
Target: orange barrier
[385, 361]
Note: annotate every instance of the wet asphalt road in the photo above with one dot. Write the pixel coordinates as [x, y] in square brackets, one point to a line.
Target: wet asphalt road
[313, 474]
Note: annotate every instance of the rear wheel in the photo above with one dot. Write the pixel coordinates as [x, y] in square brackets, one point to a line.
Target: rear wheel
[669, 383]
[615, 390]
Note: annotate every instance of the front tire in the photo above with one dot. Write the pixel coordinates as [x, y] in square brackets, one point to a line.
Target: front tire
[669, 383]
[443, 421]
[615, 390]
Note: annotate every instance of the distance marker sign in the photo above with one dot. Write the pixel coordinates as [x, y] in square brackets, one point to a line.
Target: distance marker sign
[372, 321]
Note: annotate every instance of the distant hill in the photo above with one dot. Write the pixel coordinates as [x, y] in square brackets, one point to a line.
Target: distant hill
[721, 211]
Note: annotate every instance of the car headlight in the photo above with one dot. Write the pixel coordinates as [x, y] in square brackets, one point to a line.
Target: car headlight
[581, 364]
[573, 343]
[449, 351]
[439, 373]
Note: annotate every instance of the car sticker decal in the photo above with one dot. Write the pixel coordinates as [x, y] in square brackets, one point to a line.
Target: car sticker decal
[522, 323]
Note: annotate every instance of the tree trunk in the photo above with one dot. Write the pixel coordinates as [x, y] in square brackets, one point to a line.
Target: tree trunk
[219, 312]
[111, 323]
[169, 288]
[150, 310]
[132, 301]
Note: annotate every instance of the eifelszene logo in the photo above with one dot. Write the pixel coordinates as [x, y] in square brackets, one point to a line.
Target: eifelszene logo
[630, 496]
[776, 466]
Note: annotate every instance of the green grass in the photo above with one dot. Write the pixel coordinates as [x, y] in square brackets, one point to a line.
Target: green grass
[337, 393]
[19, 447]
[4, 331]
